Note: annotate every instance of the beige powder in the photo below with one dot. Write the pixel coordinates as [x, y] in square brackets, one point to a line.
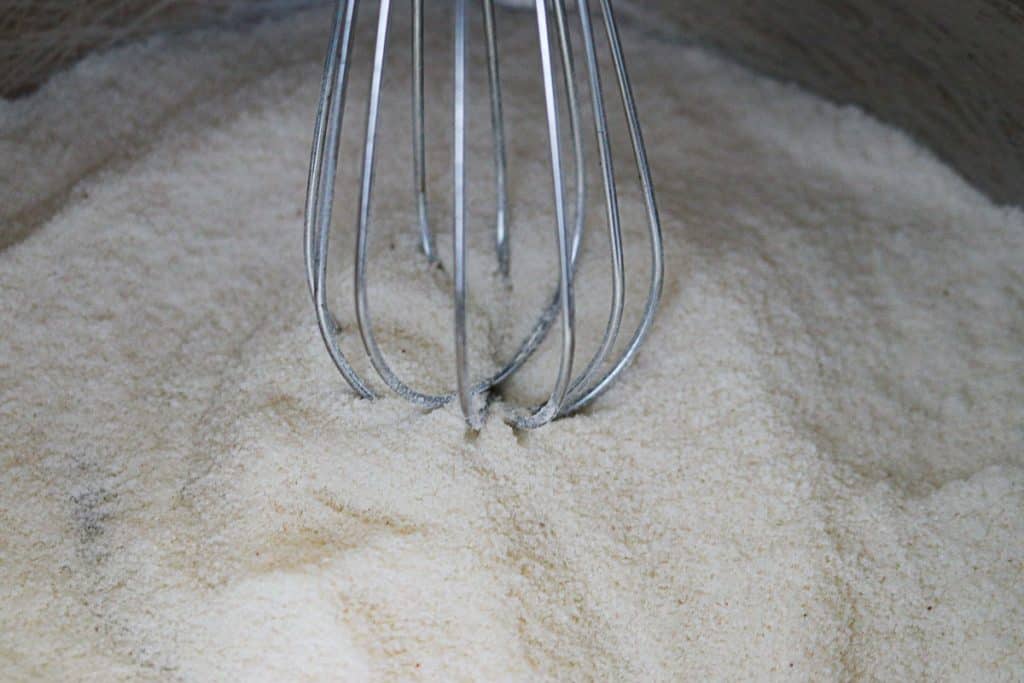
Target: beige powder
[814, 471]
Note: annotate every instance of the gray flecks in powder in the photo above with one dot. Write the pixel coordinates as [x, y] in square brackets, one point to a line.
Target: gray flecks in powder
[814, 471]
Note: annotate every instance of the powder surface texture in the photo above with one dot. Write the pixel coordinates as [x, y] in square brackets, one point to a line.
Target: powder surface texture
[813, 471]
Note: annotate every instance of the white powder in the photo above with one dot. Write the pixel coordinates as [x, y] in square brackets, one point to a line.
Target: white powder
[814, 471]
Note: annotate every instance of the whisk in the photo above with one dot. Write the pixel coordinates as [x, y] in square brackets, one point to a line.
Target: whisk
[570, 392]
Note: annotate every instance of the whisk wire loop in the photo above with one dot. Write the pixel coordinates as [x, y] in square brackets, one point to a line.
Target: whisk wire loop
[569, 393]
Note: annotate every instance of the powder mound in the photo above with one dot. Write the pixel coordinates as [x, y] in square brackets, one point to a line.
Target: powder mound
[814, 469]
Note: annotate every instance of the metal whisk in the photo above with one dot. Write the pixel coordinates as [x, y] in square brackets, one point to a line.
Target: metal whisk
[570, 393]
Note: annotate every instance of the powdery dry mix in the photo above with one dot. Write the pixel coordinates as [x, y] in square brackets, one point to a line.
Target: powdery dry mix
[814, 471]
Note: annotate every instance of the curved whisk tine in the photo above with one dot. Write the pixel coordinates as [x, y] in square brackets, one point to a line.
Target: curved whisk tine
[549, 313]
[653, 220]
[551, 408]
[579, 386]
[363, 318]
[316, 156]
[320, 189]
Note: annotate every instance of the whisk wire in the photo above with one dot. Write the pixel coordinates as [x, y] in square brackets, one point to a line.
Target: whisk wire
[464, 384]
[653, 220]
[579, 386]
[568, 393]
[498, 132]
[320, 195]
[418, 136]
[566, 299]
[363, 317]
